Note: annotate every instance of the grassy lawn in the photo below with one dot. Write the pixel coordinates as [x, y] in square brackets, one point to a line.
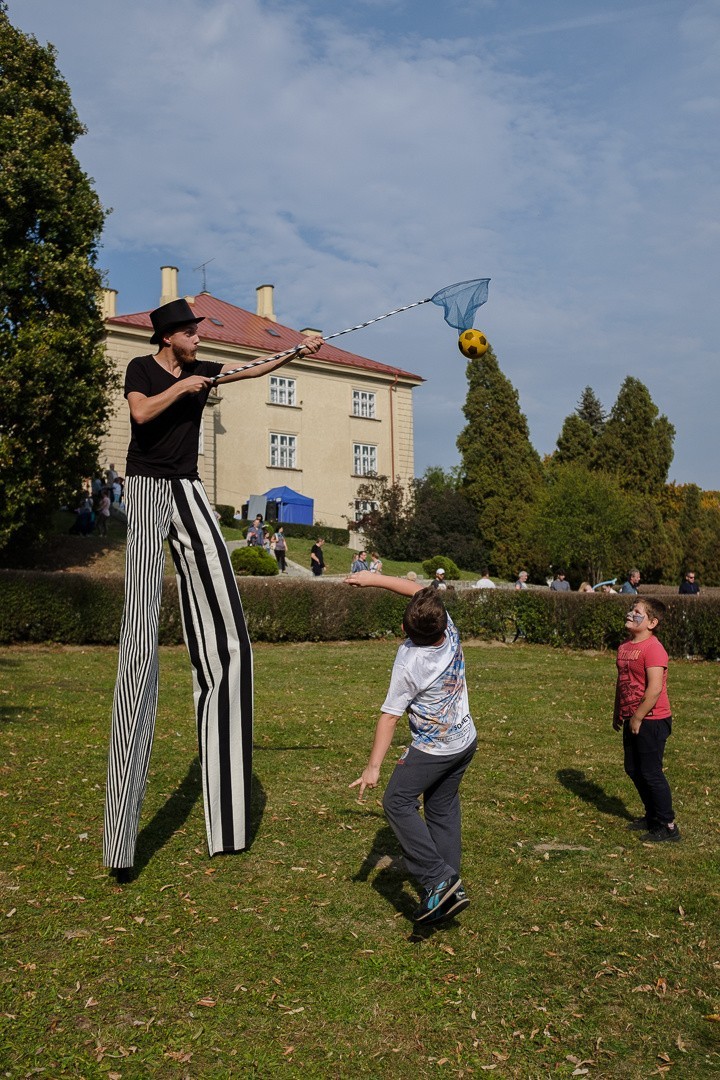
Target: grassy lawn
[583, 952]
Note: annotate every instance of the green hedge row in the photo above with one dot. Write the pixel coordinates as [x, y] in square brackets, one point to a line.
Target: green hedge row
[79, 609]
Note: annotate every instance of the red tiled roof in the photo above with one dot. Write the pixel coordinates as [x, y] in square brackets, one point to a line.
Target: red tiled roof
[234, 326]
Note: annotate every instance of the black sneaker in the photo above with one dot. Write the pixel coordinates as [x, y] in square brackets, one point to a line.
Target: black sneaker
[660, 834]
[642, 824]
[435, 900]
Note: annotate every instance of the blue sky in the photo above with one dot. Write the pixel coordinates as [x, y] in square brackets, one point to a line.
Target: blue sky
[362, 156]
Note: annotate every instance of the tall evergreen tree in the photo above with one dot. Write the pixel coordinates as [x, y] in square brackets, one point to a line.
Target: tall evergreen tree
[580, 431]
[501, 470]
[575, 443]
[56, 378]
[591, 411]
[636, 442]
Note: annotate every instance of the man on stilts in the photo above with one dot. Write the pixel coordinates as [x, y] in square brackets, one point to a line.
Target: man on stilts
[166, 500]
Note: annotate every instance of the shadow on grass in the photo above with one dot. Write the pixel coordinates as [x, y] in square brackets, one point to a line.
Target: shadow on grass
[579, 784]
[385, 857]
[176, 810]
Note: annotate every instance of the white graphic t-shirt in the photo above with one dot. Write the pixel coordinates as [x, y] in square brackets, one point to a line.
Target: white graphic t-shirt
[428, 682]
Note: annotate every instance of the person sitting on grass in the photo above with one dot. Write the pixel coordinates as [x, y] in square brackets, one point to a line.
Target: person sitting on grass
[427, 682]
[642, 712]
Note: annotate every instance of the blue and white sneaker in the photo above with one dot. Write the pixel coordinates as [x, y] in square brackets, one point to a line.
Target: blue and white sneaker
[441, 901]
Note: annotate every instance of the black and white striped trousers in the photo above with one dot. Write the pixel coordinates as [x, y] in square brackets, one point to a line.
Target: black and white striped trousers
[219, 647]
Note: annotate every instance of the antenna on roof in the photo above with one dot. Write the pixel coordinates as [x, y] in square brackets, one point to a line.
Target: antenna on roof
[204, 273]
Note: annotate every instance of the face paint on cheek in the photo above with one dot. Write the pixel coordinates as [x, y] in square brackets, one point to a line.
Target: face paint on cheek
[635, 616]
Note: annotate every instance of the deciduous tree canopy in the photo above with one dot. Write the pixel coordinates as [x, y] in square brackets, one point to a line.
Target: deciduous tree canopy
[54, 390]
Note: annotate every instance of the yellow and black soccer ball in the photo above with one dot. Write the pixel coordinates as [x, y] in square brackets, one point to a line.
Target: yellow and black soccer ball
[472, 343]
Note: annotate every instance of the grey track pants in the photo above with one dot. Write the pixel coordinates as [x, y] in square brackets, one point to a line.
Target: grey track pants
[430, 845]
[219, 648]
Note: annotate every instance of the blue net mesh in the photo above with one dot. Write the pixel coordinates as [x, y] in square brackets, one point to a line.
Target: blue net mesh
[461, 301]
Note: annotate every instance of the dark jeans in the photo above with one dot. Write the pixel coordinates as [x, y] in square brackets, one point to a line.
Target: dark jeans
[280, 556]
[643, 764]
[431, 845]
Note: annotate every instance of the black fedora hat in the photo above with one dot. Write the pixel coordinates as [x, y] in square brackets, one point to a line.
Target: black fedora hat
[176, 313]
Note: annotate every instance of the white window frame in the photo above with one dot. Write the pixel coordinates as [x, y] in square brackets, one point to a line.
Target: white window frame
[283, 450]
[364, 459]
[363, 403]
[363, 507]
[282, 390]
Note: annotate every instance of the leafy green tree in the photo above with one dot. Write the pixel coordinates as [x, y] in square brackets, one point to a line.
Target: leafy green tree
[56, 378]
[429, 517]
[581, 521]
[636, 442]
[501, 470]
[692, 529]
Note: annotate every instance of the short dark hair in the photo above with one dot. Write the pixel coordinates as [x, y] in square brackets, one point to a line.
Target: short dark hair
[425, 618]
[654, 607]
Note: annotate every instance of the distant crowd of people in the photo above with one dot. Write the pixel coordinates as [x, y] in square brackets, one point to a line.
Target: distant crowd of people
[93, 508]
[261, 534]
[559, 583]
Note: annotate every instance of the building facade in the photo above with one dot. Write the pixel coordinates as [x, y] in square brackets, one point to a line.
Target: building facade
[318, 425]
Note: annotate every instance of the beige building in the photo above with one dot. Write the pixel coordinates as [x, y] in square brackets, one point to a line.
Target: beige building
[318, 425]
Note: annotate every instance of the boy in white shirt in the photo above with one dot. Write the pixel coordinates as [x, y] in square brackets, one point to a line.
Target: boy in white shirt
[427, 682]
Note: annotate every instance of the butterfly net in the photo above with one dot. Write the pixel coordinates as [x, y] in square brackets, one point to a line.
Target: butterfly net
[461, 301]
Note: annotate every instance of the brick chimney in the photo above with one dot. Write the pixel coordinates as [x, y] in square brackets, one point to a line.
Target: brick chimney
[168, 284]
[265, 307]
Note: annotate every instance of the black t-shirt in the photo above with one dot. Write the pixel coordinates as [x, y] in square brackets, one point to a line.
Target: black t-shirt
[166, 447]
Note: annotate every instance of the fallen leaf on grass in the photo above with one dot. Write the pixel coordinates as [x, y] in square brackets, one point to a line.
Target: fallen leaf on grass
[448, 949]
[207, 1002]
[179, 1055]
[714, 1017]
[90, 1003]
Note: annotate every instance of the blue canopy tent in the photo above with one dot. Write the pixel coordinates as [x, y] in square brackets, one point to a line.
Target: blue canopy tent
[292, 506]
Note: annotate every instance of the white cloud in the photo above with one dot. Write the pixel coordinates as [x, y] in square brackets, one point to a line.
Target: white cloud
[363, 159]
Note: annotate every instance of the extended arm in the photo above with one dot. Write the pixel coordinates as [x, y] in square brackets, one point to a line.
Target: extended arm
[381, 744]
[310, 346]
[400, 585]
[649, 698]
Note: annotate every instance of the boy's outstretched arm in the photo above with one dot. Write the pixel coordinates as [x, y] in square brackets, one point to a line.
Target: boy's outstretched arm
[381, 744]
[402, 586]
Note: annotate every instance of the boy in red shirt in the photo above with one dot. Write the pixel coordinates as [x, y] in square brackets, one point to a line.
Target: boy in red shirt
[642, 711]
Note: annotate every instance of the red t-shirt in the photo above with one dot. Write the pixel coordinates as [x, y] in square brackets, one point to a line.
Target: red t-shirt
[633, 660]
